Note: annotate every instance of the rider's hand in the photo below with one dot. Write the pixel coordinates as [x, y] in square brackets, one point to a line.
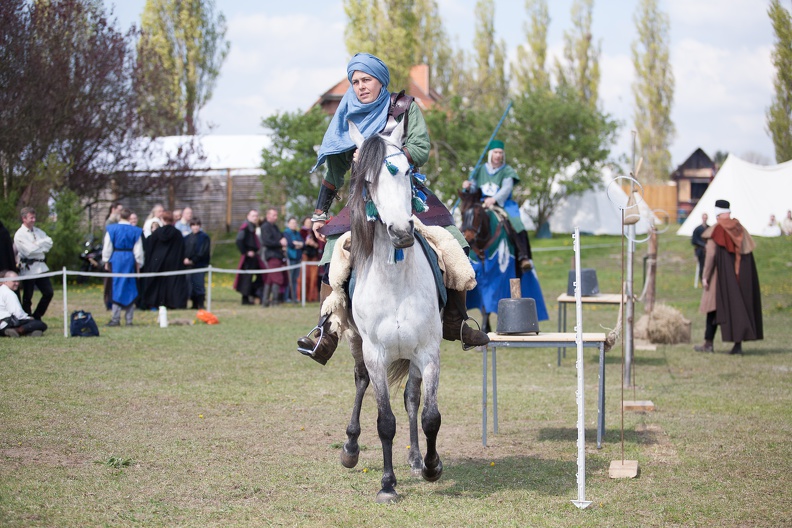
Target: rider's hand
[466, 184]
[705, 283]
[316, 227]
[489, 201]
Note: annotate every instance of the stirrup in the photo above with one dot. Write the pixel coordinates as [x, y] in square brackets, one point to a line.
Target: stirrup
[312, 352]
[461, 328]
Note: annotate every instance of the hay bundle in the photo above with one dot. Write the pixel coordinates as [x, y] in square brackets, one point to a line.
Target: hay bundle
[665, 325]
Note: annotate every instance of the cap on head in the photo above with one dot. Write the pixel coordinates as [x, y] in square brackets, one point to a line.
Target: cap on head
[495, 144]
[722, 206]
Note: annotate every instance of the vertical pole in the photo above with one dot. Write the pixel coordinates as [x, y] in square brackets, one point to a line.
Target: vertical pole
[629, 307]
[65, 306]
[303, 267]
[209, 291]
[229, 199]
[581, 501]
[484, 397]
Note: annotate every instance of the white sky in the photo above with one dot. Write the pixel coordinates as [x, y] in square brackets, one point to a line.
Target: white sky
[285, 54]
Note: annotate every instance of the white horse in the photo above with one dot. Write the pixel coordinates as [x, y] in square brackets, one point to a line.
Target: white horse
[395, 307]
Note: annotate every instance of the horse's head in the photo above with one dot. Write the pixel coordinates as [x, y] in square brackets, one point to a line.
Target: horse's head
[475, 220]
[386, 182]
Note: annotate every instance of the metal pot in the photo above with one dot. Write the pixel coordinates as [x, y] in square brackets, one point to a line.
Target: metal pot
[517, 316]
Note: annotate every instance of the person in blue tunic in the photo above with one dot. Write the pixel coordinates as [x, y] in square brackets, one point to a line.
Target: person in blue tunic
[496, 180]
[123, 253]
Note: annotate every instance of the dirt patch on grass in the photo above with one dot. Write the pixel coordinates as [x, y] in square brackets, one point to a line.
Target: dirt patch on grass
[27, 456]
[658, 445]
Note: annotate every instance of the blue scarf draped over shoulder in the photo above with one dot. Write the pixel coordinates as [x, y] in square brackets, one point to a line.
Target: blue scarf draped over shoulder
[370, 118]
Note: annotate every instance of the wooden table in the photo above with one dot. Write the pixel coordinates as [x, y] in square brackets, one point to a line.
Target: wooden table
[564, 299]
[541, 340]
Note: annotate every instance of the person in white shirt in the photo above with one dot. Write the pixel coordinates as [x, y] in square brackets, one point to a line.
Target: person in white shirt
[183, 224]
[14, 322]
[786, 224]
[772, 229]
[32, 245]
[154, 218]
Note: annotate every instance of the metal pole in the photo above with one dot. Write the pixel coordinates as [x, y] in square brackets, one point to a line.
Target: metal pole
[65, 306]
[303, 268]
[581, 501]
[209, 291]
[629, 306]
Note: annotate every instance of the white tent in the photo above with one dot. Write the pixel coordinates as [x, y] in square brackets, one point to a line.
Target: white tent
[754, 192]
[593, 211]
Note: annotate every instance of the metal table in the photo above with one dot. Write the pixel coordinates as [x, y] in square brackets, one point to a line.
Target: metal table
[541, 340]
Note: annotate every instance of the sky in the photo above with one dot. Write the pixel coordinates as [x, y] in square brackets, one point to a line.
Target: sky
[284, 55]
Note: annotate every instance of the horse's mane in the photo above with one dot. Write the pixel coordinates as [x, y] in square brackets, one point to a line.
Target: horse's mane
[369, 164]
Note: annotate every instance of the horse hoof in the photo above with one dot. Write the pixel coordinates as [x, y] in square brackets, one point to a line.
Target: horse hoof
[432, 475]
[417, 471]
[349, 460]
[387, 497]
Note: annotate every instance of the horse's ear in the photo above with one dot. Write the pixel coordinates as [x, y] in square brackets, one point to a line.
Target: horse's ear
[355, 135]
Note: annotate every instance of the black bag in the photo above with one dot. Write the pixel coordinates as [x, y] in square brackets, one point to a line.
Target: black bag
[83, 324]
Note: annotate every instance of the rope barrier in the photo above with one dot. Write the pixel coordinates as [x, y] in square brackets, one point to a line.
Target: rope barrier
[64, 273]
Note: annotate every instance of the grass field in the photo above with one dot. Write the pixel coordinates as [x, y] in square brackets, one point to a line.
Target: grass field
[228, 425]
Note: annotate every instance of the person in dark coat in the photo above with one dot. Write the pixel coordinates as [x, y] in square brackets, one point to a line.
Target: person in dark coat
[731, 296]
[7, 257]
[249, 245]
[196, 255]
[699, 244]
[274, 243]
[166, 253]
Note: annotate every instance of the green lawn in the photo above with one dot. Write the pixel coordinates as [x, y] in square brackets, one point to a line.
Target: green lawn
[228, 425]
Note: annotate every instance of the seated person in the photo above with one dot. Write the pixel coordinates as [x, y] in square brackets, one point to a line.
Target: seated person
[496, 180]
[14, 322]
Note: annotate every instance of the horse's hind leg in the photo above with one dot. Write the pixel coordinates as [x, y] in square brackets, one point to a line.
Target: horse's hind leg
[351, 450]
[412, 399]
[430, 421]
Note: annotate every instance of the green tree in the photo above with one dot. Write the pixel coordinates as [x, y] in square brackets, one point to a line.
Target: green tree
[529, 69]
[581, 71]
[779, 115]
[181, 50]
[489, 86]
[387, 29]
[558, 145]
[292, 154]
[433, 47]
[653, 90]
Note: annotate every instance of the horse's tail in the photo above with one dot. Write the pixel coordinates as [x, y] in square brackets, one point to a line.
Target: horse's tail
[397, 371]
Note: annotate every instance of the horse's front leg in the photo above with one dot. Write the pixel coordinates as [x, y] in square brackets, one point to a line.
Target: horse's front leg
[386, 427]
[351, 450]
[430, 421]
[412, 400]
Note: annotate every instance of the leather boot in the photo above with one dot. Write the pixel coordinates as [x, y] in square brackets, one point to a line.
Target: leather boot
[454, 326]
[265, 296]
[326, 341]
[736, 349]
[523, 251]
[199, 301]
[706, 347]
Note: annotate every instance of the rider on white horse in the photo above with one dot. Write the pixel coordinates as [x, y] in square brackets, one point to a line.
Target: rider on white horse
[496, 181]
[373, 109]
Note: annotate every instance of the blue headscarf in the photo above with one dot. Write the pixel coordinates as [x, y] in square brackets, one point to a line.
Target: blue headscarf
[370, 118]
